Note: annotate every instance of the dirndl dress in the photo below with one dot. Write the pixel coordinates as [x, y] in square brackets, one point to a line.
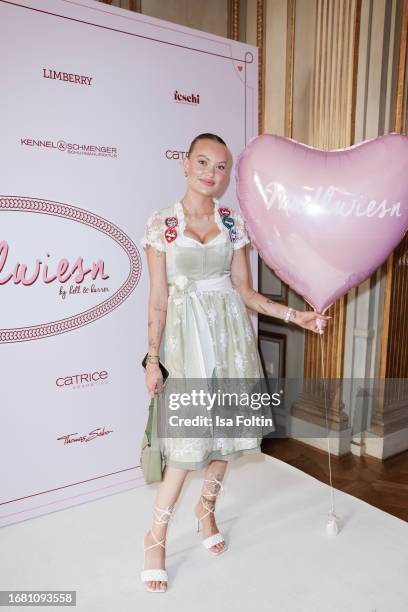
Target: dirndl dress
[208, 332]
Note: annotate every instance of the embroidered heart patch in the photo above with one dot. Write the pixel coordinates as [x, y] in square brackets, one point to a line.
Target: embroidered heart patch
[170, 234]
[233, 234]
[224, 211]
[228, 222]
[171, 221]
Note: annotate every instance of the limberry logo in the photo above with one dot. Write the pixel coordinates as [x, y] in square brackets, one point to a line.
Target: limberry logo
[68, 77]
[73, 148]
[68, 268]
[193, 99]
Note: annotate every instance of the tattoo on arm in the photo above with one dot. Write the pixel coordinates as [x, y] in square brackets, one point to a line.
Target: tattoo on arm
[160, 308]
[261, 306]
[156, 324]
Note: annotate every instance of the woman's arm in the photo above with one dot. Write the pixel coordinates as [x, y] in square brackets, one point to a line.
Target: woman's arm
[158, 295]
[157, 311]
[260, 303]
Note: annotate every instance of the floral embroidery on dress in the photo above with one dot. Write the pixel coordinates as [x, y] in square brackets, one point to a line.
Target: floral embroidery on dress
[240, 361]
[212, 315]
[235, 311]
[181, 281]
[242, 237]
[248, 335]
[223, 340]
[153, 232]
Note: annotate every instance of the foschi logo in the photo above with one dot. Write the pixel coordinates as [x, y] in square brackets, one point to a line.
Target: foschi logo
[67, 76]
[81, 379]
[187, 99]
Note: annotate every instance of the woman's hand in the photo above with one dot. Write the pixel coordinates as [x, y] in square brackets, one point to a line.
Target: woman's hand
[310, 320]
[153, 378]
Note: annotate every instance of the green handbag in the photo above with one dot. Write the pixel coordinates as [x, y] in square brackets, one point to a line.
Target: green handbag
[150, 457]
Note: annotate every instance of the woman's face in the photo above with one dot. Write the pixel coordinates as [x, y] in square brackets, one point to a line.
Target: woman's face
[208, 168]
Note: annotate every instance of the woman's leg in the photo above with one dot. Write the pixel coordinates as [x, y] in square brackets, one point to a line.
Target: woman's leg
[215, 469]
[167, 494]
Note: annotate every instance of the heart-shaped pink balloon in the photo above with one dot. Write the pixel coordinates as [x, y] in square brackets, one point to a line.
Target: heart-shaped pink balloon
[324, 221]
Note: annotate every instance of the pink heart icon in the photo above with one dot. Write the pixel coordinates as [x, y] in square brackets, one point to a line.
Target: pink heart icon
[239, 68]
[324, 221]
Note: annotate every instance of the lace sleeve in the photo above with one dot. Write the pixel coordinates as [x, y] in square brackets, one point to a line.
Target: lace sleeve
[242, 235]
[153, 232]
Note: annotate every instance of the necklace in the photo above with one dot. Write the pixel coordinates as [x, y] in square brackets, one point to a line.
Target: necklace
[205, 215]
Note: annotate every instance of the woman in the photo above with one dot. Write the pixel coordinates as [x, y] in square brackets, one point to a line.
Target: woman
[199, 291]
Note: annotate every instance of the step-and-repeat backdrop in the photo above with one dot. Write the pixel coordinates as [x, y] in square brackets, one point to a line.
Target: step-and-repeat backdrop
[97, 109]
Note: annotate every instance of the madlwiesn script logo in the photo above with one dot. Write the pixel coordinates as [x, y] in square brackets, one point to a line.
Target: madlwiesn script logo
[193, 98]
[82, 380]
[80, 268]
[68, 77]
[73, 148]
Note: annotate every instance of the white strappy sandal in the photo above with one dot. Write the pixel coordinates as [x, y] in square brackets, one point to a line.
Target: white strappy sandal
[157, 574]
[216, 538]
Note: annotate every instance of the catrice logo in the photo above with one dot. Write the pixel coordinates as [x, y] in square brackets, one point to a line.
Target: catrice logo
[69, 77]
[176, 154]
[73, 148]
[95, 433]
[84, 379]
[193, 99]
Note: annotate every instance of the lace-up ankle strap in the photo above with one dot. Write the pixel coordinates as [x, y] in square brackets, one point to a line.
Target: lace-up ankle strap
[214, 481]
[162, 515]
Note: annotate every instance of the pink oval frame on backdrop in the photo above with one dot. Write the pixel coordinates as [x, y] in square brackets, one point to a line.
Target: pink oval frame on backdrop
[78, 215]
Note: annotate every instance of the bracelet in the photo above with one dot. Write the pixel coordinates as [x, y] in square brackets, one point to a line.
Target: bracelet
[288, 314]
[152, 357]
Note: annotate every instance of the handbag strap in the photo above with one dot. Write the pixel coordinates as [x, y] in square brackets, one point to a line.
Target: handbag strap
[152, 419]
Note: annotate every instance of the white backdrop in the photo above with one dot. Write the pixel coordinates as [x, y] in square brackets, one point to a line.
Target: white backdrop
[98, 106]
